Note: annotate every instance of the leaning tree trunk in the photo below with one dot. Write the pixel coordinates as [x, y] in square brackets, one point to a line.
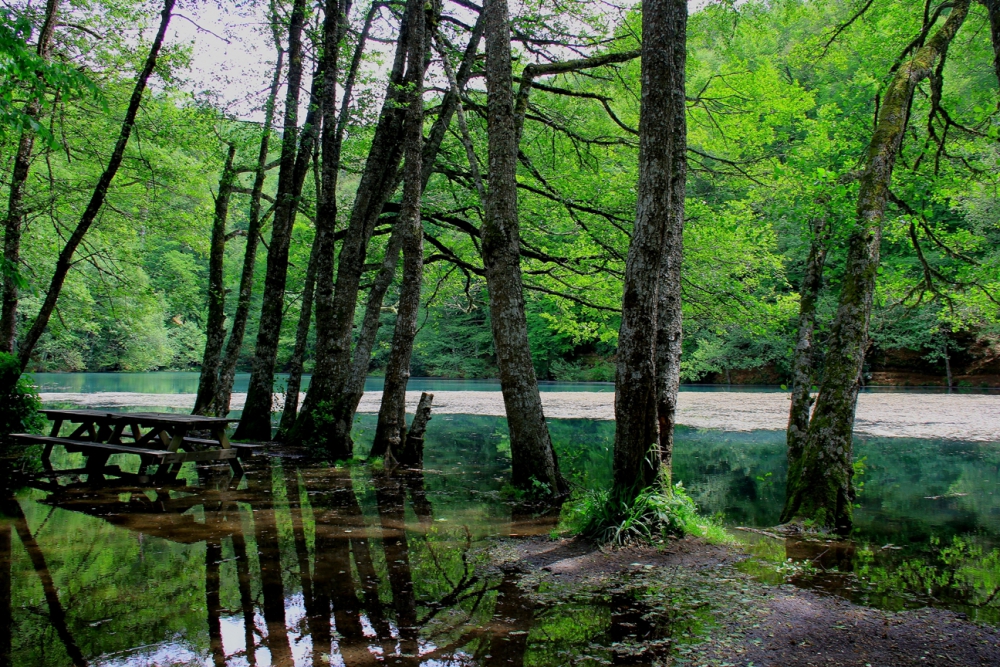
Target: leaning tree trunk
[390, 431]
[215, 326]
[532, 456]
[636, 459]
[255, 423]
[227, 368]
[824, 492]
[65, 259]
[325, 419]
[668, 298]
[15, 201]
[294, 384]
[803, 361]
[352, 389]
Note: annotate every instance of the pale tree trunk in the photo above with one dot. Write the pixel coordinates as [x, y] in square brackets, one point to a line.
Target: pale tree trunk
[227, 369]
[390, 431]
[654, 254]
[803, 361]
[532, 456]
[15, 202]
[668, 298]
[824, 490]
[215, 325]
[255, 423]
[65, 259]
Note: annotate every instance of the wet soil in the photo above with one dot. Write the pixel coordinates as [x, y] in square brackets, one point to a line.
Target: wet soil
[751, 623]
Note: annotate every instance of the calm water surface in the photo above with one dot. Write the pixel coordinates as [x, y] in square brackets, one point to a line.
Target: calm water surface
[171, 382]
[307, 565]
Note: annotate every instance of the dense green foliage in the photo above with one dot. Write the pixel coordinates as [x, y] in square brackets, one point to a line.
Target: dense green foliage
[780, 112]
[18, 409]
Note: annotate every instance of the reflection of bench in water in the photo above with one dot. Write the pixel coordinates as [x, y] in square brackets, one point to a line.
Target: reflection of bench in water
[156, 512]
[159, 439]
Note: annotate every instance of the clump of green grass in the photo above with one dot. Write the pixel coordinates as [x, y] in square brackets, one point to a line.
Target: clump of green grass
[656, 514]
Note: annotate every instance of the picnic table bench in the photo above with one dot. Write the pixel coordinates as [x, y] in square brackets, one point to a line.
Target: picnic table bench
[158, 438]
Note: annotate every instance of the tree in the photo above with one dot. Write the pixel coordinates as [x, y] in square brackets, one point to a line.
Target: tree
[532, 457]
[18, 183]
[390, 432]
[255, 424]
[821, 488]
[65, 260]
[215, 331]
[648, 348]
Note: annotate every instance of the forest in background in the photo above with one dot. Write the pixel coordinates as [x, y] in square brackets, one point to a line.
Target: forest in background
[780, 110]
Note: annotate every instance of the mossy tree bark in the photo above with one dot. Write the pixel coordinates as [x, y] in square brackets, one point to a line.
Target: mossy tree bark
[803, 361]
[215, 323]
[668, 299]
[390, 431]
[532, 456]
[823, 491]
[654, 255]
[14, 223]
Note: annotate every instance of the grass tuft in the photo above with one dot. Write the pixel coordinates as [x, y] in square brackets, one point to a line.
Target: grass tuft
[657, 514]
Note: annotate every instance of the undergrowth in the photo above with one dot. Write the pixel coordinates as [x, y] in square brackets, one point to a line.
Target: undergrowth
[656, 514]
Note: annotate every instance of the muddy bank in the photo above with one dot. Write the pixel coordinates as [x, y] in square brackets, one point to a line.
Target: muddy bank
[690, 605]
[949, 416]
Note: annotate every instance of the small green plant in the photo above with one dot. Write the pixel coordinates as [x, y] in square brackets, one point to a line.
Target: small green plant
[20, 404]
[656, 513]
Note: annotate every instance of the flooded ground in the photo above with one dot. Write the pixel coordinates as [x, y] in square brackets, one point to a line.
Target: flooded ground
[886, 414]
[299, 564]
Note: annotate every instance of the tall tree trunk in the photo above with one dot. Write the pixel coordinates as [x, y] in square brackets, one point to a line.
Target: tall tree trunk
[532, 455]
[215, 326]
[654, 253]
[390, 432]
[824, 490]
[291, 409]
[65, 260]
[803, 362]
[323, 419]
[213, 602]
[227, 369]
[668, 299]
[15, 202]
[255, 423]
[338, 381]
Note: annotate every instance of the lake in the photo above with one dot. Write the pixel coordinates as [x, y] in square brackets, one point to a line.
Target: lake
[301, 564]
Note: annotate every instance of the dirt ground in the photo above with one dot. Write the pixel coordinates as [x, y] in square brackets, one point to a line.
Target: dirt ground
[973, 417]
[779, 626]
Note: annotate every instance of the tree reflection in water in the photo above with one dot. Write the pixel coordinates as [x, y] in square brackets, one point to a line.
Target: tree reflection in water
[292, 565]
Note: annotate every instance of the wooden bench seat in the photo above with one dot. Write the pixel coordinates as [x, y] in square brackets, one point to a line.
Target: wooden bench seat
[161, 454]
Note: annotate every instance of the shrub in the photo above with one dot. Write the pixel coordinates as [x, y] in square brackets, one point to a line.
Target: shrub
[658, 512]
[19, 403]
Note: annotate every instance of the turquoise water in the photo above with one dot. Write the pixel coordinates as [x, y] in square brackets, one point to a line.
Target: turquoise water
[176, 382]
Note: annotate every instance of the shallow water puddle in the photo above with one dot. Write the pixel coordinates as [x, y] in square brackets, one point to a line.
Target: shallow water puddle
[307, 565]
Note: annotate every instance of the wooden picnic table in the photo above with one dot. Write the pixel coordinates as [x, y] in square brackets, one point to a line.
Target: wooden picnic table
[158, 438]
